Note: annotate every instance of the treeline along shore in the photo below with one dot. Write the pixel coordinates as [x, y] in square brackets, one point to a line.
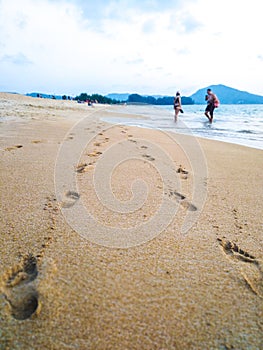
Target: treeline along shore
[226, 95]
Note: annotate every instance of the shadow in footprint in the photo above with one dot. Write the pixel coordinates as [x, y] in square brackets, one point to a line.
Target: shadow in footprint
[187, 205]
[147, 156]
[181, 199]
[81, 168]
[249, 267]
[19, 290]
[13, 147]
[181, 170]
[70, 198]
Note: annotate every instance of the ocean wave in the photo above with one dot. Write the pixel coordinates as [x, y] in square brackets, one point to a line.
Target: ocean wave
[247, 132]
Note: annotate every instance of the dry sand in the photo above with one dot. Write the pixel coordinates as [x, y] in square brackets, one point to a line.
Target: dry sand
[122, 274]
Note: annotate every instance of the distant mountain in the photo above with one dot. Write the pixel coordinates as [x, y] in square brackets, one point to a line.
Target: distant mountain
[227, 95]
[125, 96]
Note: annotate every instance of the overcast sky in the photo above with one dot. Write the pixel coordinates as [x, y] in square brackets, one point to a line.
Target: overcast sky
[148, 47]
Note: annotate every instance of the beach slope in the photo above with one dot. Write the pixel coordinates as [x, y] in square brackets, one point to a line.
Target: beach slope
[116, 237]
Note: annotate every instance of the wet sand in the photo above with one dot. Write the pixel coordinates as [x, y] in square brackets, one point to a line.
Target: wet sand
[116, 237]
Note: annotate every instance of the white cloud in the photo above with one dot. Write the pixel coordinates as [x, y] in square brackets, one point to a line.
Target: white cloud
[70, 46]
[19, 59]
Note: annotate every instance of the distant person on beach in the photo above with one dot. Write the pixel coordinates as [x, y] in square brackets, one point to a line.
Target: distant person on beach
[212, 103]
[177, 105]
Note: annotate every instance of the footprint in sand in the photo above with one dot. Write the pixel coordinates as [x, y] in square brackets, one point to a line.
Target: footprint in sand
[36, 141]
[181, 170]
[187, 205]
[181, 199]
[70, 198]
[148, 157]
[94, 154]
[250, 268]
[13, 147]
[17, 285]
[183, 173]
[131, 140]
[81, 168]
[71, 136]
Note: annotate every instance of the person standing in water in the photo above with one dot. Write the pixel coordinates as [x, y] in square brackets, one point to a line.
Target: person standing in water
[212, 103]
[177, 105]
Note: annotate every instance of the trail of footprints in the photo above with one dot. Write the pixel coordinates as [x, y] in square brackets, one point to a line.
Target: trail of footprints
[15, 147]
[71, 197]
[180, 198]
[18, 284]
[249, 266]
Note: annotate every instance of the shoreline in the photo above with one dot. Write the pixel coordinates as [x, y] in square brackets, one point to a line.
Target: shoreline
[209, 131]
[191, 135]
[199, 289]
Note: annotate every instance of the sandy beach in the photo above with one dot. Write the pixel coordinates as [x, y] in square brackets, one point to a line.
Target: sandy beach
[117, 237]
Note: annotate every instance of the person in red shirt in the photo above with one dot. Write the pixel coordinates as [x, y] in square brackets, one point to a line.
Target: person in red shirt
[212, 103]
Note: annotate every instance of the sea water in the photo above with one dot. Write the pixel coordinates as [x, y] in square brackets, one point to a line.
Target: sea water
[240, 124]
